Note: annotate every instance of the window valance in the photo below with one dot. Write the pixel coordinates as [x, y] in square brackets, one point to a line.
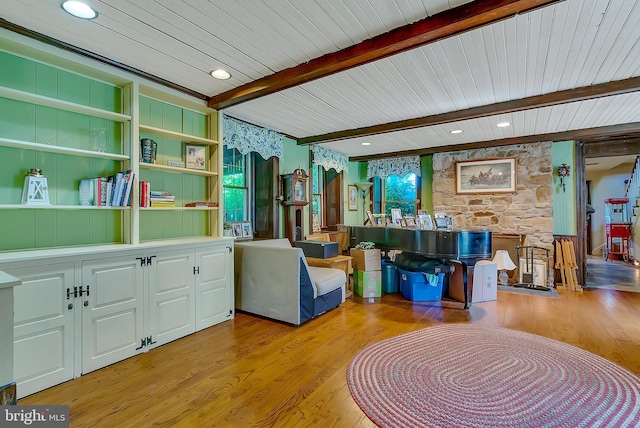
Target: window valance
[329, 159]
[249, 138]
[399, 166]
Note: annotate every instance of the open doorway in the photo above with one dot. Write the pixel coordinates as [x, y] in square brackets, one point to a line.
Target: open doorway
[601, 170]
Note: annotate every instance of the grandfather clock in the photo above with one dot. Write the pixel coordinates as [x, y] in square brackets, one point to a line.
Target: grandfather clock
[294, 192]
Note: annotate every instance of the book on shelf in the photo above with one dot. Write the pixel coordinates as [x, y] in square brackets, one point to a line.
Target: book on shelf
[201, 204]
[106, 191]
[145, 194]
[127, 185]
[157, 204]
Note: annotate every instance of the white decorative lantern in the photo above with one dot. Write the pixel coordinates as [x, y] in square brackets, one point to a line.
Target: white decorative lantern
[35, 190]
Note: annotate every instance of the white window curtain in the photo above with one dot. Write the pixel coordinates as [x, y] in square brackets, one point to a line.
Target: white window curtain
[249, 138]
[329, 159]
[399, 166]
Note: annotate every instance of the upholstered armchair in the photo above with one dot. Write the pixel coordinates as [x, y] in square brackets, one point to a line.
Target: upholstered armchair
[273, 280]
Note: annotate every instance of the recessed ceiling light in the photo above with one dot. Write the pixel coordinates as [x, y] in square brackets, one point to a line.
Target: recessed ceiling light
[79, 9]
[220, 74]
[365, 144]
[503, 124]
[457, 131]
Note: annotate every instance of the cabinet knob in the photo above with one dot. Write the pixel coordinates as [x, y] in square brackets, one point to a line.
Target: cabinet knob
[70, 306]
[86, 303]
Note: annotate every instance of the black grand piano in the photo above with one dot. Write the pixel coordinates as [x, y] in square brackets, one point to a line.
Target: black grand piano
[456, 247]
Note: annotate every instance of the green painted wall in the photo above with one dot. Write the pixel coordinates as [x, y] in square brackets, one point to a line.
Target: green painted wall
[426, 183]
[185, 187]
[564, 199]
[351, 176]
[24, 228]
[39, 228]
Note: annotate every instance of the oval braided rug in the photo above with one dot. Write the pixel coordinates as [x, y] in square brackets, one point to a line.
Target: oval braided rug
[464, 375]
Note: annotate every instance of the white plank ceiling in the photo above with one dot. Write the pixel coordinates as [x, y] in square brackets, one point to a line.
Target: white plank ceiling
[572, 44]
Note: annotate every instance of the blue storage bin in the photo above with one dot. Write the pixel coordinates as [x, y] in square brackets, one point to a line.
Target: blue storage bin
[390, 281]
[415, 287]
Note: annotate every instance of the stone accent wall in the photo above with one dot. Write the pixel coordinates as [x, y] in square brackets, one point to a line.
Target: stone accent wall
[528, 212]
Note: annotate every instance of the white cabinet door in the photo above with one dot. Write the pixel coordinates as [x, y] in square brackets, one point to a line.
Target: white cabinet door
[112, 310]
[43, 326]
[171, 286]
[214, 273]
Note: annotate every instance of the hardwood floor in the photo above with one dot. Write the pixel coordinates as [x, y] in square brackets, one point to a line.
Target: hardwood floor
[252, 372]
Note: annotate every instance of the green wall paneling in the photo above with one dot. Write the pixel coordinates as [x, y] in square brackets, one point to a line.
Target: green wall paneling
[46, 81]
[195, 223]
[194, 123]
[17, 229]
[155, 113]
[172, 183]
[46, 125]
[73, 88]
[33, 77]
[17, 73]
[46, 228]
[16, 165]
[171, 118]
[145, 225]
[17, 120]
[73, 130]
[73, 227]
[114, 99]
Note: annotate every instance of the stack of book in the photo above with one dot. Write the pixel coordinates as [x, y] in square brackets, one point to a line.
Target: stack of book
[112, 191]
[160, 198]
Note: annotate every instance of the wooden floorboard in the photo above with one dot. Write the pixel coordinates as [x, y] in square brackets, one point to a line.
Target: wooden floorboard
[253, 372]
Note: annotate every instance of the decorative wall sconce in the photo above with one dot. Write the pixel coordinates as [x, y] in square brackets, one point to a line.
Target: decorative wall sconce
[564, 170]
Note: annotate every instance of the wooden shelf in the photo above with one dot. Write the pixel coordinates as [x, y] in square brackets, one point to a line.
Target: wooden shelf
[41, 100]
[177, 169]
[7, 142]
[177, 135]
[178, 208]
[59, 207]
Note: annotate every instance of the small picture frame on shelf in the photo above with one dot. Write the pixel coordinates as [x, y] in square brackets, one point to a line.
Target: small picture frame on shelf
[241, 230]
[425, 222]
[195, 156]
[410, 221]
[247, 232]
[396, 215]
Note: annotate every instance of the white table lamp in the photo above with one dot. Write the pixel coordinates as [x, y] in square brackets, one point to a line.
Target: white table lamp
[504, 263]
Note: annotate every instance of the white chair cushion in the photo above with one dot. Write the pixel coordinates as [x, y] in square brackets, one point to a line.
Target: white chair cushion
[327, 279]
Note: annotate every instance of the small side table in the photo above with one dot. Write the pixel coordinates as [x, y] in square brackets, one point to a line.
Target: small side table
[337, 262]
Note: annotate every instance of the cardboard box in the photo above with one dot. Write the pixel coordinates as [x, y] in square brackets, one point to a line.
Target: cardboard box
[318, 249]
[484, 281]
[366, 260]
[367, 283]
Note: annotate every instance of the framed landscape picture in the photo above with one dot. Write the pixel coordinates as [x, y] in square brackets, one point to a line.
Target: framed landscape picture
[486, 176]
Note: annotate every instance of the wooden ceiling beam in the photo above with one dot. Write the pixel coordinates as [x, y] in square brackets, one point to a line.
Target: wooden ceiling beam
[561, 97]
[612, 131]
[449, 23]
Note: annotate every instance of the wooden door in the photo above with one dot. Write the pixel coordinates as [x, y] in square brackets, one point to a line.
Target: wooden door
[265, 184]
[333, 199]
